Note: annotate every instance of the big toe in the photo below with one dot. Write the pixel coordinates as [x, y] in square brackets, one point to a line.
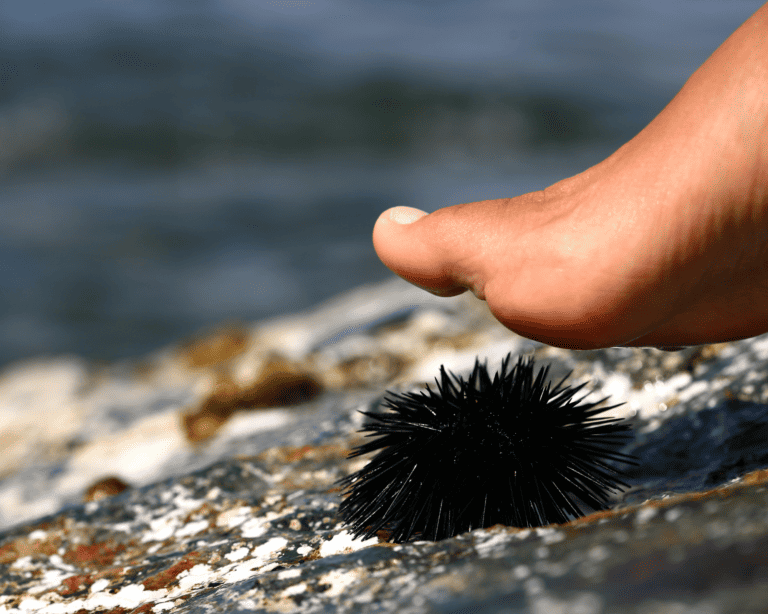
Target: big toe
[433, 251]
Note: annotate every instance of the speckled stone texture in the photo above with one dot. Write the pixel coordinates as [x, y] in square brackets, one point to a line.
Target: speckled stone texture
[203, 478]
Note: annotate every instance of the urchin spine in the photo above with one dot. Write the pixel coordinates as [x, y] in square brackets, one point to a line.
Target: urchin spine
[513, 450]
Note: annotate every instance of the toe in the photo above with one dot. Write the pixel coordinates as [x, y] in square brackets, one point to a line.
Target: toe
[428, 250]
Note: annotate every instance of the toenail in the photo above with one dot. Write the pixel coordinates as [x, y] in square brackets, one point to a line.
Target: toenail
[405, 215]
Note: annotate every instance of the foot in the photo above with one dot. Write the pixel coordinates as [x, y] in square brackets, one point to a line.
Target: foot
[664, 243]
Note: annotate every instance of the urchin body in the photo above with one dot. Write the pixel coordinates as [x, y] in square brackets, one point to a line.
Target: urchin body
[513, 450]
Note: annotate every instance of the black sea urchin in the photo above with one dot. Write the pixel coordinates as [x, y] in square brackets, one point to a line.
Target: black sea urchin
[514, 450]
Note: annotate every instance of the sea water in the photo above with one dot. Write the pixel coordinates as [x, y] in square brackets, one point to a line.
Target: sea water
[166, 165]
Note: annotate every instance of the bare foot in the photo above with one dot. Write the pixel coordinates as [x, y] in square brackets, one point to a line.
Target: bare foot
[664, 243]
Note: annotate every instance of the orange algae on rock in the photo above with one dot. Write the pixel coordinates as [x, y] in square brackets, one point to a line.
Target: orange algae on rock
[280, 383]
[168, 576]
[103, 488]
[215, 348]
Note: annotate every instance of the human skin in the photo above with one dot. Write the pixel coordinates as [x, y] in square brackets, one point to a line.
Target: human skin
[664, 243]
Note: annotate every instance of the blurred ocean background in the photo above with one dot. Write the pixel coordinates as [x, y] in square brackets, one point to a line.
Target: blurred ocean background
[166, 165]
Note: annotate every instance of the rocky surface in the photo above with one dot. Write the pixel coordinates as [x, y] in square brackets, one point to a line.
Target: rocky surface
[203, 478]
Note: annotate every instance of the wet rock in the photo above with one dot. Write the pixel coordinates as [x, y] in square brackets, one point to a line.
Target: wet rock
[245, 519]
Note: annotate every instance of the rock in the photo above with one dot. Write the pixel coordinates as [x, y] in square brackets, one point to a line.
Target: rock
[244, 518]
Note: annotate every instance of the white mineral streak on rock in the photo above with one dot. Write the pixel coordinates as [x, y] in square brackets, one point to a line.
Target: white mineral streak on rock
[195, 576]
[168, 520]
[128, 597]
[345, 542]
[163, 528]
[213, 493]
[180, 497]
[258, 563]
[22, 563]
[255, 527]
[340, 580]
[296, 589]
[242, 571]
[50, 579]
[238, 554]
[37, 535]
[192, 528]
[652, 399]
[288, 574]
[268, 549]
[99, 585]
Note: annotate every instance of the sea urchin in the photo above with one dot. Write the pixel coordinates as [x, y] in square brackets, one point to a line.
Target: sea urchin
[511, 450]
